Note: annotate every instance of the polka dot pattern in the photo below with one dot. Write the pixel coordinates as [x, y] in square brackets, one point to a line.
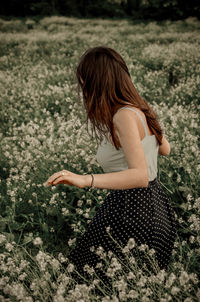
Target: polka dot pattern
[144, 214]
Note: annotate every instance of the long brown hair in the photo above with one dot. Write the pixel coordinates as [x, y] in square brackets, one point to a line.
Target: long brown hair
[106, 86]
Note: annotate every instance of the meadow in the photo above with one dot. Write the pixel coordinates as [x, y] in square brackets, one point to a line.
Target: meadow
[43, 130]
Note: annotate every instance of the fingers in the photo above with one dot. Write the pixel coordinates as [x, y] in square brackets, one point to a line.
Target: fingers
[55, 176]
[58, 180]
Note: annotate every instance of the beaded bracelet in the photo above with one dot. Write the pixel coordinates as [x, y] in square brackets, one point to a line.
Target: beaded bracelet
[92, 183]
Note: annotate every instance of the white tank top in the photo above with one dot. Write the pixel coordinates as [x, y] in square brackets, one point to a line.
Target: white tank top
[113, 160]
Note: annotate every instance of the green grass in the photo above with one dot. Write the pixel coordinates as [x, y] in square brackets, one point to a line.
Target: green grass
[42, 131]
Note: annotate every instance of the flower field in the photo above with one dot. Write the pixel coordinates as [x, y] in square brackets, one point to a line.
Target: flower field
[42, 131]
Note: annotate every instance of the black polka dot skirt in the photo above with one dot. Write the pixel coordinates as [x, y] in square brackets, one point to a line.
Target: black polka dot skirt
[144, 214]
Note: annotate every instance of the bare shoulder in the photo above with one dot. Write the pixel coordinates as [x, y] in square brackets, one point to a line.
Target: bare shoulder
[126, 126]
[122, 115]
[133, 119]
[124, 120]
[129, 120]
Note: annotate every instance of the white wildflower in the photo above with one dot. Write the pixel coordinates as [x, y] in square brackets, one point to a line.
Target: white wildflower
[2, 238]
[194, 278]
[184, 278]
[106, 299]
[95, 281]
[188, 300]
[133, 294]
[100, 251]
[192, 239]
[71, 241]
[175, 290]
[125, 250]
[92, 249]
[88, 269]
[142, 281]
[170, 280]
[65, 212]
[131, 275]
[151, 252]
[145, 299]
[147, 291]
[121, 285]
[122, 295]
[160, 277]
[79, 211]
[143, 247]
[55, 264]
[131, 243]
[86, 215]
[22, 276]
[89, 201]
[37, 241]
[108, 229]
[110, 254]
[70, 268]
[47, 276]
[9, 247]
[61, 258]
[110, 272]
[79, 203]
[99, 265]
[114, 299]
[115, 264]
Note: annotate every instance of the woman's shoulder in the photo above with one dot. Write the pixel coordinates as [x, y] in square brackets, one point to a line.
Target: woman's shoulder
[125, 110]
[133, 113]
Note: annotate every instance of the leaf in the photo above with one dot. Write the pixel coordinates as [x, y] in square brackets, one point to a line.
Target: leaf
[27, 239]
[52, 211]
[9, 236]
[3, 222]
[16, 226]
[2, 225]
[45, 227]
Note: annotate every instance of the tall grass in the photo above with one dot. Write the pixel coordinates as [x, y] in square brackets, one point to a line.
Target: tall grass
[42, 124]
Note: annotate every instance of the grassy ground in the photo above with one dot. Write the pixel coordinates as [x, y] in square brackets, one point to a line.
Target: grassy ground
[43, 131]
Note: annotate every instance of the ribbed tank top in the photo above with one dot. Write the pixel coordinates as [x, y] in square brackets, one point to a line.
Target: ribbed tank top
[113, 160]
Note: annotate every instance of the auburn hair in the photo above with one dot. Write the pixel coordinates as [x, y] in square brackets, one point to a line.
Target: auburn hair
[106, 85]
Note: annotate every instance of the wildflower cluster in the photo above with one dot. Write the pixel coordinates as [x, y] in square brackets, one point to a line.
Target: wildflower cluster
[43, 130]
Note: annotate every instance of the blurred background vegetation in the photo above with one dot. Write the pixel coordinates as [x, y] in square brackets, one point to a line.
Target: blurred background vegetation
[137, 9]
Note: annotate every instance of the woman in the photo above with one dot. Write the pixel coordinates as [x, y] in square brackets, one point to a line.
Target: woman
[131, 139]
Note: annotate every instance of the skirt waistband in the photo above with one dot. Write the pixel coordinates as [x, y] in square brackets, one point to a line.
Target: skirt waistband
[152, 182]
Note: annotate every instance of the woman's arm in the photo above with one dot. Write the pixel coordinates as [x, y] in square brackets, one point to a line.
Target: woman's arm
[126, 125]
[164, 148]
[127, 179]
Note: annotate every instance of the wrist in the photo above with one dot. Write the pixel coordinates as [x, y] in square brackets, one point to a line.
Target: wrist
[87, 180]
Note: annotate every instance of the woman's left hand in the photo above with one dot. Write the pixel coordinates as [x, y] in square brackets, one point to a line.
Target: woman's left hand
[68, 178]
